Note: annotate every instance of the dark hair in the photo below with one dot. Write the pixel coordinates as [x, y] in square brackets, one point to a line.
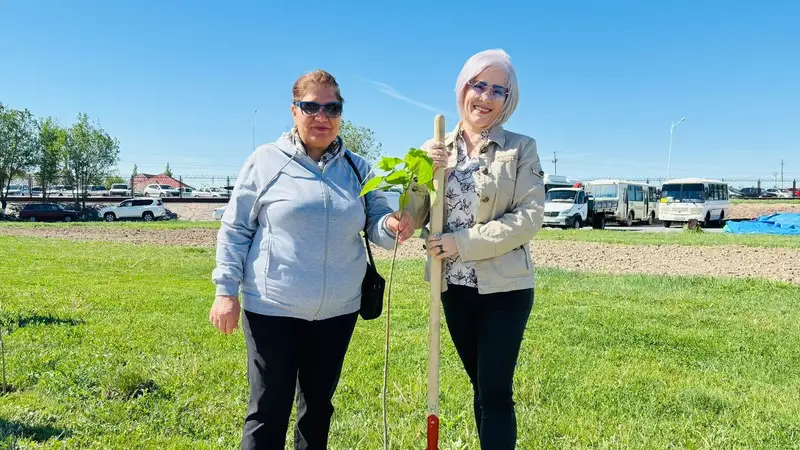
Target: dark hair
[312, 80]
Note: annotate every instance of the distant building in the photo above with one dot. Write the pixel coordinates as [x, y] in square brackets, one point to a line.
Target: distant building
[142, 180]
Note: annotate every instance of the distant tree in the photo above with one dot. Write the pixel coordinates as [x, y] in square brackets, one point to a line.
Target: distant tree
[361, 141]
[114, 180]
[168, 171]
[52, 139]
[19, 148]
[135, 171]
[91, 152]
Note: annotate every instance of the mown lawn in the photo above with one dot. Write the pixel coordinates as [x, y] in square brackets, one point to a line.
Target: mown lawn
[109, 347]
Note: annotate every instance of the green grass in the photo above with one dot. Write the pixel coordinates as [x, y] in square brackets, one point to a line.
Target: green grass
[682, 238]
[110, 347]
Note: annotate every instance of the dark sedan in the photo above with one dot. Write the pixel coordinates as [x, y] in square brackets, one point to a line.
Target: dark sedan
[47, 212]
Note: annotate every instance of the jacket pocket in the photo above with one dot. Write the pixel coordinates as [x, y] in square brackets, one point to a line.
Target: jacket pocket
[505, 172]
[515, 263]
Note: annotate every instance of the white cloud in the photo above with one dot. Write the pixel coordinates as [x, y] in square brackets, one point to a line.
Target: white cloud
[394, 93]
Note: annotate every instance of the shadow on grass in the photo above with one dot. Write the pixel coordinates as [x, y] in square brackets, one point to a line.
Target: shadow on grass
[17, 430]
[23, 320]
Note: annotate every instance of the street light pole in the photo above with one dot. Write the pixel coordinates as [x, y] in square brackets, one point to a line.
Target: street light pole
[669, 158]
[253, 126]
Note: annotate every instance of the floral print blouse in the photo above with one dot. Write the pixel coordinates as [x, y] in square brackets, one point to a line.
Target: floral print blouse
[461, 207]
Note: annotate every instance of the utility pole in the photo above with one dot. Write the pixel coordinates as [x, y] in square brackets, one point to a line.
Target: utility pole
[782, 174]
[776, 179]
[669, 157]
[555, 164]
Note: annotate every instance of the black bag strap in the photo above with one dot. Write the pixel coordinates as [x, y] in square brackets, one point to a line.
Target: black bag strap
[360, 182]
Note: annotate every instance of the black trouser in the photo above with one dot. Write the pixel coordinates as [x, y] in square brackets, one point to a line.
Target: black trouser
[285, 356]
[487, 331]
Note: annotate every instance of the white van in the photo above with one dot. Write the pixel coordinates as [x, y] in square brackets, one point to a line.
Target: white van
[624, 202]
[700, 199]
[566, 208]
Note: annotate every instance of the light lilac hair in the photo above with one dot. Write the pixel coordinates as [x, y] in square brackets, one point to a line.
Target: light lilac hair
[476, 64]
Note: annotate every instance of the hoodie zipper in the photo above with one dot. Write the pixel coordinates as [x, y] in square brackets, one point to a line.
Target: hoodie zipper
[326, 200]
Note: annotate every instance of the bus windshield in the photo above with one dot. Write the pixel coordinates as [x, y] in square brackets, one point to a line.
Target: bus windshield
[602, 190]
[561, 196]
[690, 192]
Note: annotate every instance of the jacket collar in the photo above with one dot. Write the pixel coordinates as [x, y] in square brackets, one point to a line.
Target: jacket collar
[497, 135]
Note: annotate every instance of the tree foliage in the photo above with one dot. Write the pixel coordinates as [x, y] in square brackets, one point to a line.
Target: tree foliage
[90, 152]
[19, 147]
[52, 142]
[361, 141]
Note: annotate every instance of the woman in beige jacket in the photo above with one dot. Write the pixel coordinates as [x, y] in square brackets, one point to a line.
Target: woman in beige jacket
[494, 203]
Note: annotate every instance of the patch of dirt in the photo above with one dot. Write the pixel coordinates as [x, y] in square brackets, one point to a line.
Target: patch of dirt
[753, 210]
[189, 237]
[778, 264]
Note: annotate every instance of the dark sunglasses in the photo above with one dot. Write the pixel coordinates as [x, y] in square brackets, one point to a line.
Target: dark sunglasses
[332, 109]
[494, 90]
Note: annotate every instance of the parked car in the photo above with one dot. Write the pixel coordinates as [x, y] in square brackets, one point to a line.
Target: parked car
[95, 190]
[120, 190]
[43, 212]
[62, 191]
[17, 190]
[147, 209]
[749, 192]
[186, 192]
[36, 191]
[161, 190]
[211, 192]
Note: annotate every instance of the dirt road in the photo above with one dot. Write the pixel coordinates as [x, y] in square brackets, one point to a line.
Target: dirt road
[728, 261]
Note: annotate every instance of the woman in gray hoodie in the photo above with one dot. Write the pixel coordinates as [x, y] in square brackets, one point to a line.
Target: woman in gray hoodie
[289, 244]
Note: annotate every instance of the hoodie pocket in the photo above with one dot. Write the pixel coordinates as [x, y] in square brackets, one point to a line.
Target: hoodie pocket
[266, 251]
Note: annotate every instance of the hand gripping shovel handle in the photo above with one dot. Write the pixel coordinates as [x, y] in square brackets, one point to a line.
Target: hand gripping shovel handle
[437, 219]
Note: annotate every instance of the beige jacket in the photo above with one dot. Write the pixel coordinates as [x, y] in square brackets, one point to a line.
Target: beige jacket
[510, 187]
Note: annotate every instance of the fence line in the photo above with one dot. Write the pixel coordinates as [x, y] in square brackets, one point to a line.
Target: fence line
[216, 186]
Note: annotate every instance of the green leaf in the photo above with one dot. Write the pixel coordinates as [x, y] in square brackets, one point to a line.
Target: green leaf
[403, 202]
[420, 164]
[432, 194]
[400, 177]
[414, 153]
[371, 185]
[424, 171]
[389, 162]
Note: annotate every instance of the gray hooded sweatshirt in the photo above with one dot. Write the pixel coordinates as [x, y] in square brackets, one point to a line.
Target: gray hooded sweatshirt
[289, 238]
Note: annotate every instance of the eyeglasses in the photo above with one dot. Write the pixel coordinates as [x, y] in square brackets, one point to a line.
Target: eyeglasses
[332, 109]
[494, 90]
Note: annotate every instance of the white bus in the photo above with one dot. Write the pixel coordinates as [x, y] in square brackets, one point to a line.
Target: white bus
[624, 202]
[694, 198]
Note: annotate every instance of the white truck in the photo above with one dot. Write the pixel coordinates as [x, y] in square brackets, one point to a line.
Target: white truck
[566, 208]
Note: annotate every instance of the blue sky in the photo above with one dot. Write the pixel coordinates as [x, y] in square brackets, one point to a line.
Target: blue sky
[600, 81]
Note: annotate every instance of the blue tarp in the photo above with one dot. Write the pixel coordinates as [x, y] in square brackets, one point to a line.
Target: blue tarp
[787, 224]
